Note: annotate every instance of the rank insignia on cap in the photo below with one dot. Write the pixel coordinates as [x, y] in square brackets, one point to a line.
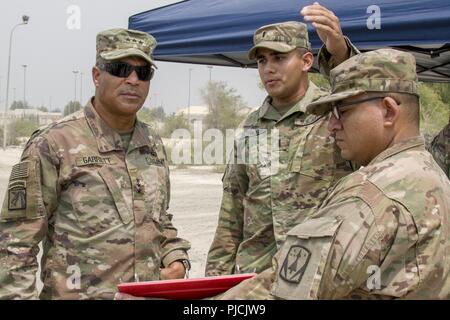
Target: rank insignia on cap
[295, 263]
[17, 195]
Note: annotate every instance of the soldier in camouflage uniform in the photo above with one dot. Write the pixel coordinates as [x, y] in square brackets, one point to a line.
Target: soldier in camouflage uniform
[259, 204]
[383, 232]
[94, 188]
[440, 149]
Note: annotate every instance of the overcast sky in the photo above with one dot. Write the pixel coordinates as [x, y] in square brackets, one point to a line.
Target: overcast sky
[52, 51]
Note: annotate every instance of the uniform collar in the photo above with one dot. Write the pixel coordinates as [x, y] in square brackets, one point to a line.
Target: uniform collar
[311, 94]
[141, 136]
[407, 144]
[107, 138]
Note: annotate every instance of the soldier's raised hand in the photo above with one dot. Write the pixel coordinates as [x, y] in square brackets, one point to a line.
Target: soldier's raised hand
[328, 29]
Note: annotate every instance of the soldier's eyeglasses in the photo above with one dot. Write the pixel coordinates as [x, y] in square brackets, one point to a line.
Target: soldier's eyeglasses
[123, 70]
[339, 105]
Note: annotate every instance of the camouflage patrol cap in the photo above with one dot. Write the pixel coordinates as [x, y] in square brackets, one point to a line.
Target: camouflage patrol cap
[383, 70]
[119, 43]
[281, 37]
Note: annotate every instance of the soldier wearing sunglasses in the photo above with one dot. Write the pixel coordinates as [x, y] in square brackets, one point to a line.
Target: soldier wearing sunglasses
[94, 187]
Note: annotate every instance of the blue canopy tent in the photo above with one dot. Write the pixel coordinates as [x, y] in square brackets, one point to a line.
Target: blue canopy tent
[219, 32]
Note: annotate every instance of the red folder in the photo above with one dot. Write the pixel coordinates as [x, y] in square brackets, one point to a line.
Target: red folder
[184, 289]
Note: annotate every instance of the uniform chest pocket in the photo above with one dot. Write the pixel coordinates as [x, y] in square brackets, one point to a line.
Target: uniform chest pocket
[122, 207]
[98, 201]
[255, 150]
[155, 193]
[315, 153]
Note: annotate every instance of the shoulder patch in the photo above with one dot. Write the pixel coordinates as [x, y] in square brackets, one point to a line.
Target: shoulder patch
[295, 263]
[17, 195]
[20, 170]
[23, 197]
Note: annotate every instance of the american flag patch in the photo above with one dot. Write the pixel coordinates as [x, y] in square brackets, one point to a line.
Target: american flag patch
[20, 170]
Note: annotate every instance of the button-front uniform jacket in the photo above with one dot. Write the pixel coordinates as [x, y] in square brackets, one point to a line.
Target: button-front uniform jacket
[263, 200]
[382, 233]
[259, 204]
[440, 149]
[100, 211]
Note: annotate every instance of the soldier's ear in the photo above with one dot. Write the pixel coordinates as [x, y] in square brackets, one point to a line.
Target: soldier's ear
[391, 111]
[95, 75]
[308, 60]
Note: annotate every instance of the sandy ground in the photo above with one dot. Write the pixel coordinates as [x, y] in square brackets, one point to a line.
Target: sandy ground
[195, 200]
[195, 203]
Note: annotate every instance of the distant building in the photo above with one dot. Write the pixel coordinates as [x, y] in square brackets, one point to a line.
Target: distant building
[198, 113]
[44, 118]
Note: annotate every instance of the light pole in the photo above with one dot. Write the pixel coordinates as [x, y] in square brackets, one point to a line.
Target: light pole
[189, 98]
[75, 72]
[24, 84]
[81, 87]
[156, 100]
[210, 69]
[5, 124]
[211, 91]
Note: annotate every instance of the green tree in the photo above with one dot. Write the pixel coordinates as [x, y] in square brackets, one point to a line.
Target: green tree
[158, 113]
[43, 109]
[19, 128]
[443, 89]
[434, 113]
[18, 105]
[71, 107]
[146, 116]
[152, 115]
[224, 106]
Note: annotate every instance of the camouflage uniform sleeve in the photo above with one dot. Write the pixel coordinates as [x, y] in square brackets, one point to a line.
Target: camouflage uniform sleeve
[326, 61]
[29, 201]
[222, 253]
[173, 247]
[256, 288]
[331, 255]
[440, 149]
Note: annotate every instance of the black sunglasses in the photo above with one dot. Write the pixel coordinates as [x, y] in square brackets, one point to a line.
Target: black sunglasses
[123, 70]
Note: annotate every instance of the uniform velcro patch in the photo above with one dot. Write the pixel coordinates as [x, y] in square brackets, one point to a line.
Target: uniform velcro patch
[17, 195]
[20, 171]
[295, 263]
